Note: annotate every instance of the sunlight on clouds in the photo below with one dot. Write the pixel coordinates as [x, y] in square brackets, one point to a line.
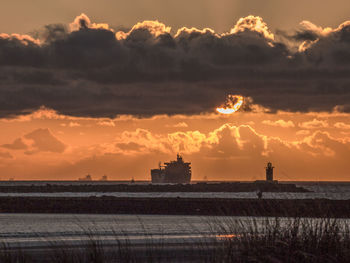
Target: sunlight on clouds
[319, 31]
[184, 31]
[109, 123]
[74, 124]
[156, 28]
[342, 125]
[279, 123]
[46, 142]
[233, 103]
[314, 124]
[253, 23]
[24, 39]
[212, 141]
[83, 21]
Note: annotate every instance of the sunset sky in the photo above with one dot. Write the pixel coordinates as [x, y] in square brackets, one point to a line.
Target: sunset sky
[112, 88]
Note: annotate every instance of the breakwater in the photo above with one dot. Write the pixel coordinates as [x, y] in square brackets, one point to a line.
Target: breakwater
[178, 206]
[113, 187]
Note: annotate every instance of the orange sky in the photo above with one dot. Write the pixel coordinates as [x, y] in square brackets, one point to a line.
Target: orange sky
[302, 146]
[22, 16]
[61, 88]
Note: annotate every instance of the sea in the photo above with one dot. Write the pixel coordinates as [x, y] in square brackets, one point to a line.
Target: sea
[40, 230]
[318, 190]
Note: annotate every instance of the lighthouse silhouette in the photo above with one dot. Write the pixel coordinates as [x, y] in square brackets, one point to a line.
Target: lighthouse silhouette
[269, 172]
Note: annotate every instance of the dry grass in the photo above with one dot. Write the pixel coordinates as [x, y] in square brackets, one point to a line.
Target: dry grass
[287, 240]
[258, 240]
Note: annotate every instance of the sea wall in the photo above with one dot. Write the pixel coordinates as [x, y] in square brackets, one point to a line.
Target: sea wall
[178, 206]
[198, 187]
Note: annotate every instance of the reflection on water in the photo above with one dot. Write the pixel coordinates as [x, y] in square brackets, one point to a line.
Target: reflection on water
[326, 190]
[28, 230]
[334, 195]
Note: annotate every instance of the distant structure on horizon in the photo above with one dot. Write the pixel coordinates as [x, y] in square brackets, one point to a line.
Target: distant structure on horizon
[174, 172]
[269, 172]
[104, 178]
[86, 178]
[269, 175]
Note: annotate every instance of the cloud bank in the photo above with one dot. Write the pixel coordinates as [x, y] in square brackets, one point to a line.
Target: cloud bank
[39, 140]
[89, 69]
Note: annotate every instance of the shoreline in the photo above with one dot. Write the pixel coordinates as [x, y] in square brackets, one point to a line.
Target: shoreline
[120, 187]
[178, 206]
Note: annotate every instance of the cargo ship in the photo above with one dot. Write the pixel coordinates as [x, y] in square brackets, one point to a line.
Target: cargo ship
[177, 172]
[86, 178]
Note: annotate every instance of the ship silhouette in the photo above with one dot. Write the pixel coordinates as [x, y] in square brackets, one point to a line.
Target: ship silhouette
[104, 178]
[86, 178]
[174, 172]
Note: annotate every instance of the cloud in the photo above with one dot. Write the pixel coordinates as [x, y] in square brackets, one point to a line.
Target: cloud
[303, 132]
[227, 140]
[220, 151]
[314, 124]
[323, 144]
[141, 141]
[186, 142]
[279, 123]
[42, 113]
[342, 125]
[88, 69]
[83, 22]
[5, 155]
[186, 32]
[17, 144]
[144, 30]
[42, 140]
[179, 125]
[39, 140]
[23, 39]
[74, 124]
[106, 123]
[252, 23]
[326, 47]
[237, 151]
[230, 141]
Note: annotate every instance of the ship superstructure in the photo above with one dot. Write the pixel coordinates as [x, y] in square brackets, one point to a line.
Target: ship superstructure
[174, 172]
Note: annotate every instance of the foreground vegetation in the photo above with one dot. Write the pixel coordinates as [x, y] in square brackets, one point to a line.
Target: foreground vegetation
[294, 240]
[259, 240]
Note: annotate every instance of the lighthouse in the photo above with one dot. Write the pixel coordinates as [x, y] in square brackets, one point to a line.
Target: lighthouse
[269, 172]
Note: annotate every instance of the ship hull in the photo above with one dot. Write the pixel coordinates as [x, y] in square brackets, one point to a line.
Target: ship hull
[158, 178]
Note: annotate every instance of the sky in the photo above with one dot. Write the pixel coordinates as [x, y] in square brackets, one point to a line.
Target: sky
[219, 15]
[114, 88]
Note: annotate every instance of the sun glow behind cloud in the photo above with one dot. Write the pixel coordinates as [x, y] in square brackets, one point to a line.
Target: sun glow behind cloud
[233, 103]
[68, 137]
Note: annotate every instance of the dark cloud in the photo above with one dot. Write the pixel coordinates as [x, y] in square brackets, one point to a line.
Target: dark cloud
[39, 140]
[88, 69]
[17, 144]
[332, 49]
[305, 35]
[44, 141]
[15, 51]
